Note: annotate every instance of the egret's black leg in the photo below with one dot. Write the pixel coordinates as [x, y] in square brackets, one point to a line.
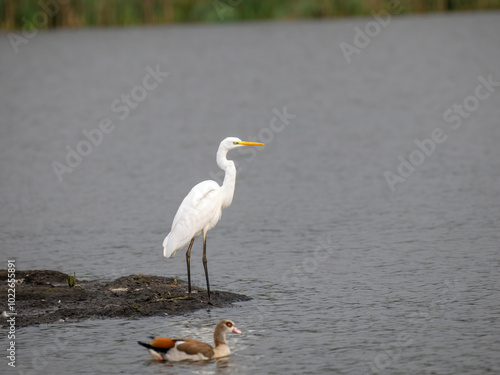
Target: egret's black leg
[188, 257]
[205, 263]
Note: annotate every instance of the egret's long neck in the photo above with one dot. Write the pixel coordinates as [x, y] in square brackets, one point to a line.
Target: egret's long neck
[229, 178]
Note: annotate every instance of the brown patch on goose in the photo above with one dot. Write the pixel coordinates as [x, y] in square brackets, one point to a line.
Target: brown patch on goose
[195, 347]
[162, 342]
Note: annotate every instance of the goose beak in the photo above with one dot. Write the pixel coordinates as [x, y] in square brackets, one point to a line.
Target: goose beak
[236, 330]
[244, 143]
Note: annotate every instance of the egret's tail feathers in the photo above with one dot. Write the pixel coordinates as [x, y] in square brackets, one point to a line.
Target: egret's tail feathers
[167, 253]
[170, 246]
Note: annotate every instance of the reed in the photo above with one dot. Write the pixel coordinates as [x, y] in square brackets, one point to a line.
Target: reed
[71, 280]
[16, 14]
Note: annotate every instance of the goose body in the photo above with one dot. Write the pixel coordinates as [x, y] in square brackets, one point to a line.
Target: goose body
[173, 350]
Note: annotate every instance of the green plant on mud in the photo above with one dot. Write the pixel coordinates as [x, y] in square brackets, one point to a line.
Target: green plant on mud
[71, 280]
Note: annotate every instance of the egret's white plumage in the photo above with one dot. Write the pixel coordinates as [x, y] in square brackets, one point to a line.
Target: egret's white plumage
[202, 208]
[198, 213]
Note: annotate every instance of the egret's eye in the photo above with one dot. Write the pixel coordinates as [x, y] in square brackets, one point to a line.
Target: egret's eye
[235, 142]
[229, 324]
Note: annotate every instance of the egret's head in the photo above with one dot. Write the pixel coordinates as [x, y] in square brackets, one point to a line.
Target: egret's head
[232, 142]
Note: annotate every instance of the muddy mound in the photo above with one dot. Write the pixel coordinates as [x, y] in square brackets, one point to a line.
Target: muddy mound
[43, 296]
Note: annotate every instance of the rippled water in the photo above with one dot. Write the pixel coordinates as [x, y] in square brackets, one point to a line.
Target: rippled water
[346, 275]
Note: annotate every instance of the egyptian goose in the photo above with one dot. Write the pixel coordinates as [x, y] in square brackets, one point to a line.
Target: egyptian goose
[166, 349]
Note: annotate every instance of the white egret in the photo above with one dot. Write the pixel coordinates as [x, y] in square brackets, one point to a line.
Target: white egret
[202, 209]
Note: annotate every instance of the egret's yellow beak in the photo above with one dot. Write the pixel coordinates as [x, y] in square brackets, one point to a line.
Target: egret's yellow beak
[251, 143]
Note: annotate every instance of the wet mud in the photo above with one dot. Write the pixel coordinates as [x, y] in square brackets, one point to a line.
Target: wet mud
[43, 296]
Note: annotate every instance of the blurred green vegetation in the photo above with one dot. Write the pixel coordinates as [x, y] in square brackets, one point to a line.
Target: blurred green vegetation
[16, 14]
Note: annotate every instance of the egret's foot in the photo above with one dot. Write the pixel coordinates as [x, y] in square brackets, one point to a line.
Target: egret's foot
[210, 300]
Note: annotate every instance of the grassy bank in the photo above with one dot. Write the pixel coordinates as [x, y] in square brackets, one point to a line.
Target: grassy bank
[16, 14]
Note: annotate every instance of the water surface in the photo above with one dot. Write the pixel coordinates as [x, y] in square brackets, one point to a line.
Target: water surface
[346, 275]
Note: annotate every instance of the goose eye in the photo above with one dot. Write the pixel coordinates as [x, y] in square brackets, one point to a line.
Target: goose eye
[229, 325]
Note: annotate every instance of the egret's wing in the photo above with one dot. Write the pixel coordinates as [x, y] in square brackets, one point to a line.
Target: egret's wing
[194, 213]
[199, 206]
[201, 200]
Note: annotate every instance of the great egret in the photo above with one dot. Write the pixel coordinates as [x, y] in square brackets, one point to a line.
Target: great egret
[202, 209]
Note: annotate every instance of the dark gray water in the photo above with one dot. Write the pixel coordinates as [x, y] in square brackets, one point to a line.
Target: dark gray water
[347, 276]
